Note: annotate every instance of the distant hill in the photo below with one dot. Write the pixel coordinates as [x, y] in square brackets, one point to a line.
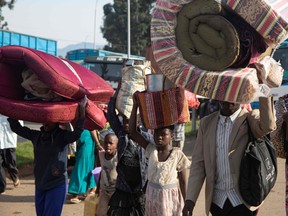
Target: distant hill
[62, 52]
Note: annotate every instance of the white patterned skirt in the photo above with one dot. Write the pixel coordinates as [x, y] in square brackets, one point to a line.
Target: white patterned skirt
[164, 200]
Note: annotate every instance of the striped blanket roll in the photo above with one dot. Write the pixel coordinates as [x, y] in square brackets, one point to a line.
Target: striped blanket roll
[262, 17]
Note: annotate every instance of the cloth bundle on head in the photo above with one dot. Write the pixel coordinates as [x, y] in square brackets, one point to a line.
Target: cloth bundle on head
[185, 49]
[163, 108]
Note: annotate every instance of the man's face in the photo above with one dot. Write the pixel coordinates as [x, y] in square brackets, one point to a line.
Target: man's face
[228, 108]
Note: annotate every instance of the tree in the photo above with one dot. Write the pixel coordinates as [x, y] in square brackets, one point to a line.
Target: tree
[115, 25]
[10, 5]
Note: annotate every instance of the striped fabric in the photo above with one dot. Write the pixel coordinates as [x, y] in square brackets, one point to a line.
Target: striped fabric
[280, 6]
[163, 108]
[224, 186]
[262, 18]
[235, 85]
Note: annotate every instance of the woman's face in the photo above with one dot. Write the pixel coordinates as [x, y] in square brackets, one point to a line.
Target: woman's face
[162, 136]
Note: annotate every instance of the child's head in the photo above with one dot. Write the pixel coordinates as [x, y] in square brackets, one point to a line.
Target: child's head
[50, 126]
[110, 143]
[163, 136]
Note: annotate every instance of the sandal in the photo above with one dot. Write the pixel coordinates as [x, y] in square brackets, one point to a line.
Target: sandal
[91, 191]
[16, 183]
[75, 200]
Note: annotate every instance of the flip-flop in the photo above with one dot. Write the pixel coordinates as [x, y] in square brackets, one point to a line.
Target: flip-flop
[16, 183]
[75, 200]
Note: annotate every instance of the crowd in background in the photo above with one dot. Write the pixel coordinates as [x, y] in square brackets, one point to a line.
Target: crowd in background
[143, 172]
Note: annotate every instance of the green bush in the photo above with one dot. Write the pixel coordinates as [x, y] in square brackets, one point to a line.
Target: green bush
[24, 154]
[189, 130]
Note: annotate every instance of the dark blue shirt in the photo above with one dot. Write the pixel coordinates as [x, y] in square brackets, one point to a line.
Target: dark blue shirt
[50, 152]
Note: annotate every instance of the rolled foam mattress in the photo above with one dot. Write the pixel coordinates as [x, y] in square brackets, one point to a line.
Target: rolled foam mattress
[66, 79]
[230, 84]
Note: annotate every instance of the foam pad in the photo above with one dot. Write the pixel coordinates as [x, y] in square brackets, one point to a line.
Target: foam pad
[67, 79]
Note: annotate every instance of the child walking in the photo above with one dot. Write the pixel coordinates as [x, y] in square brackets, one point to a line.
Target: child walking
[166, 170]
[129, 196]
[50, 161]
[107, 182]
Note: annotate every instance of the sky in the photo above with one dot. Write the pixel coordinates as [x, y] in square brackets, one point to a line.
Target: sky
[66, 21]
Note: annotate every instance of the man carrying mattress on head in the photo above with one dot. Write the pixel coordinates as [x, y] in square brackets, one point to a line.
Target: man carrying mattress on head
[221, 142]
[50, 161]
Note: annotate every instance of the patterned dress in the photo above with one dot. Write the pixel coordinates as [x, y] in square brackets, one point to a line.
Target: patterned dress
[163, 195]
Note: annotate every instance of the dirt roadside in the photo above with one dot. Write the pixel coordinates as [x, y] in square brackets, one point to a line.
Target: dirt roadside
[20, 201]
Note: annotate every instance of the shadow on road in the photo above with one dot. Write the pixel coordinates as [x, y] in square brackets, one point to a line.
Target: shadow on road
[8, 198]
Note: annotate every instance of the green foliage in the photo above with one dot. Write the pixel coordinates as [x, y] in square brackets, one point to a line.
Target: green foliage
[10, 5]
[115, 25]
[24, 154]
[189, 129]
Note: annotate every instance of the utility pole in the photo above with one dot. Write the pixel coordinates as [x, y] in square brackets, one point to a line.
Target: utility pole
[95, 19]
[128, 29]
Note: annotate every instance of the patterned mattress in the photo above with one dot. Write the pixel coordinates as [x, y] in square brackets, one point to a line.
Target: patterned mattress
[231, 84]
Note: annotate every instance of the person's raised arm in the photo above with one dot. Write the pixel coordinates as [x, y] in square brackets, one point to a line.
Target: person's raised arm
[82, 107]
[20, 130]
[113, 120]
[95, 138]
[76, 133]
[136, 136]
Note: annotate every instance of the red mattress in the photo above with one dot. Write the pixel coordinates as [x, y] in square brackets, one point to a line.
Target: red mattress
[67, 79]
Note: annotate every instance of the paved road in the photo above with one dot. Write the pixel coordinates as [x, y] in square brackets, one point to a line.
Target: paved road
[20, 201]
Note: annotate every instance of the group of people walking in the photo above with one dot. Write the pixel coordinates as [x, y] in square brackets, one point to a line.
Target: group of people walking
[142, 173]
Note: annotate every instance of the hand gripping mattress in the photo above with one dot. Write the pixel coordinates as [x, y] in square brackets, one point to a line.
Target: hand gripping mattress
[66, 79]
[229, 84]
